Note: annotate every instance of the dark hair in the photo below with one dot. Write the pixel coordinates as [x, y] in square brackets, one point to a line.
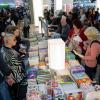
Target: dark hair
[65, 16]
[10, 29]
[77, 23]
[51, 15]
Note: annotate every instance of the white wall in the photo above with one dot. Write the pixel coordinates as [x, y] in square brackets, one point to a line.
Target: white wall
[98, 4]
[68, 5]
[19, 3]
[58, 5]
[38, 10]
[47, 3]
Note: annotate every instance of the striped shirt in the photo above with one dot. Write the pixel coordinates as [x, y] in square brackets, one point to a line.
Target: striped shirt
[11, 58]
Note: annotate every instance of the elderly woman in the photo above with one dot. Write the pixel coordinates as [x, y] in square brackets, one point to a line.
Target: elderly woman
[14, 30]
[17, 31]
[11, 58]
[92, 54]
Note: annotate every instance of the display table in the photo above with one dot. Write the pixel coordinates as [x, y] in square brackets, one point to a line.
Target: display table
[44, 83]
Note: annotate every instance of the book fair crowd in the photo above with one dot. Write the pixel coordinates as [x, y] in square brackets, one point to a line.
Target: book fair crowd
[79, 29]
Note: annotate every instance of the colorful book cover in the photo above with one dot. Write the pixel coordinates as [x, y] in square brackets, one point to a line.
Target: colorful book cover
[65, 79]
[74, 95]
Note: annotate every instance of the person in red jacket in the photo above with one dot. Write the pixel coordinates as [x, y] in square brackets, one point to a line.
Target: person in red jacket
[77, 30]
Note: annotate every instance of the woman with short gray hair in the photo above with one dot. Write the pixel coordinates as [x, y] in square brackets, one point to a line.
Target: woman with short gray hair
[11, 58]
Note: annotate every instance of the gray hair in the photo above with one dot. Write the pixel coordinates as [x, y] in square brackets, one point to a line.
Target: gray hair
[8, 36]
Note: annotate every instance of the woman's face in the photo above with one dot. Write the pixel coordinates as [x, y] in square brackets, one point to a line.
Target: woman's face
[90, 10]
[16, 32]
[93, 11]
[75, 28]
[81, 11]
[63, 20]
[12, 41]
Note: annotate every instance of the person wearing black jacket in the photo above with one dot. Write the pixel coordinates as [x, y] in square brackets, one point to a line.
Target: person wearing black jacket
[63, 28]
[5, 80]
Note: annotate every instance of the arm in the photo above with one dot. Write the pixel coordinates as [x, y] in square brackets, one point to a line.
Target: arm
[16, 68]
[70, 34]
[6, 72]
[80, 55]
[65, 32]
[67, 41]
[15, 65]
[59, 29]
[93, 53]
[86, 44]
[4, 67]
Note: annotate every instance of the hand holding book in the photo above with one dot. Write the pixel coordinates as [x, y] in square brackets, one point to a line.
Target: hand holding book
[81, 56]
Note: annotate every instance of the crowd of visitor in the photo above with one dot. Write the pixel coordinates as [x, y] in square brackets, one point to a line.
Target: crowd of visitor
[79, 29]
[14, 28]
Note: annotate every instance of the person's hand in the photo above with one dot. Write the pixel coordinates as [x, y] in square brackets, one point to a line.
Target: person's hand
[78, 49]
[67, 42]
[49, 26]
[10, 81]
[81, 56]
[22, 51]
[75, 52]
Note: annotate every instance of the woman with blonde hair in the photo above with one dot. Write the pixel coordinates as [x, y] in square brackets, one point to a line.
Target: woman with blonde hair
[92, 54]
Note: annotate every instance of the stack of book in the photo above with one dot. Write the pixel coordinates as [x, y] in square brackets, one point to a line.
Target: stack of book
[32, 73]
[43, 50]
[42, 65]
[33, 61]
[78, 73]
[58, 94]
[33, 51]
[66, 82]
[43, 76]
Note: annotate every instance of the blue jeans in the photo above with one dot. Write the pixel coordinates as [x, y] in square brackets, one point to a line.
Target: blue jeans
[4, 92]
